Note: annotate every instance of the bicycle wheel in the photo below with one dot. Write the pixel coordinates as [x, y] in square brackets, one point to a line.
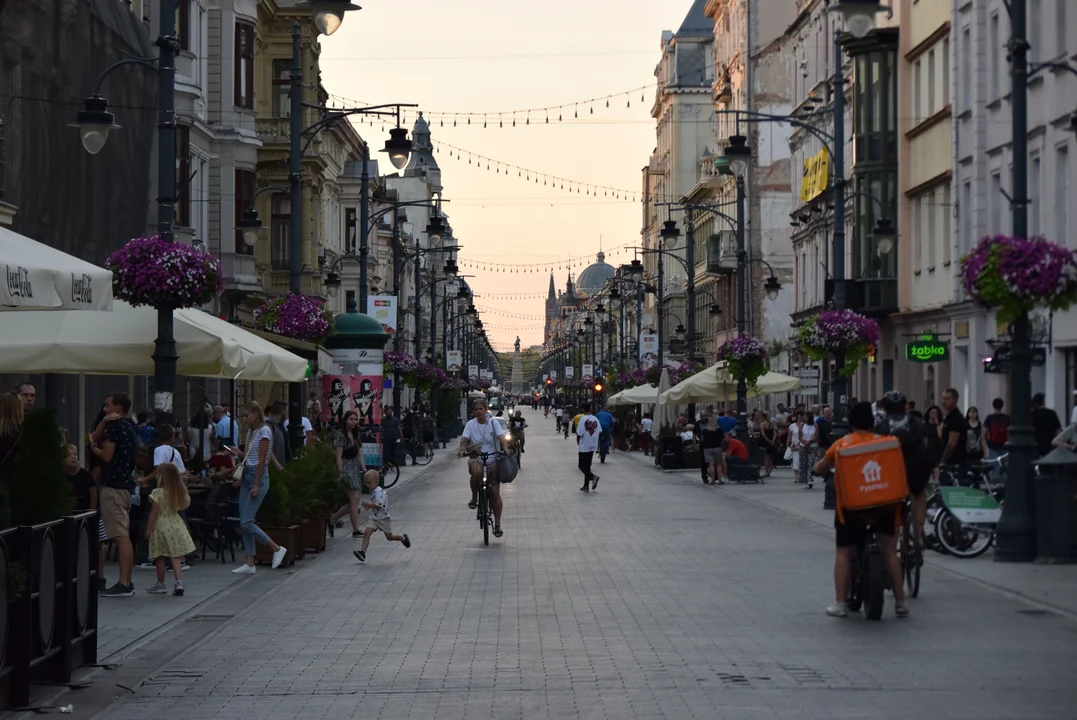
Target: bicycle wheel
[484, 515]
[911, 564]
[390, 473]
[422, 454]
[961, 541]
[875, 582]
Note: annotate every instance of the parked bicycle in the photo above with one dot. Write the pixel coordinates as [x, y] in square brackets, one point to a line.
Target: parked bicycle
[964, 507]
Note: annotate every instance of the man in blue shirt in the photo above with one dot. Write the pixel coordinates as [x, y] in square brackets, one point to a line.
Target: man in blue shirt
[728, 423]
[224, 426]
[605, 420]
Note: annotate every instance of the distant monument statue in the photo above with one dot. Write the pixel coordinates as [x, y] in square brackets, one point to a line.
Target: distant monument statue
[516, 384]
[517, 343]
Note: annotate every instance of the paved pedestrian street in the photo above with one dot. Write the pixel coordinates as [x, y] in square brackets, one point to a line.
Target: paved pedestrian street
[654, 597]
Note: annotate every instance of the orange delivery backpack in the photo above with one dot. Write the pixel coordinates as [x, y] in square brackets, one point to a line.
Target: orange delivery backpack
[869, 474]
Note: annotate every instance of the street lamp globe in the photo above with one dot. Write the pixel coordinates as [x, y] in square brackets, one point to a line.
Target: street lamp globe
[93, 123]
[716, 310]
[738, 154]
[435, 228]
[635, 267]
[329, 14]
[600, 309]
[772, 288]
[859, 15]
[884, 235]
[250, 227]
[398, 146]
[670, 231]
[332, 284]
[679, 331]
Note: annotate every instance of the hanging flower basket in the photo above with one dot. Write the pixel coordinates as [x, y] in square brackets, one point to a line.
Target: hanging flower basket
[150, 271]
[838, 331]
[745, 358]
[399, 363]
[295, 316]
[1012, 275]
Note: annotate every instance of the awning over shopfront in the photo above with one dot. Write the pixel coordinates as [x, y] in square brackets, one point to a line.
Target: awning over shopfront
[121, 343]
[320, 358]
[39, 277]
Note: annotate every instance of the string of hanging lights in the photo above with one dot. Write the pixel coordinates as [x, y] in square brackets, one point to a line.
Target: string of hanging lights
[545, 115]
[540, 267]
[529, 175]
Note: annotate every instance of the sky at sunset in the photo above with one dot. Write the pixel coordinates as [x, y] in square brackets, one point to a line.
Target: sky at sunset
[491, 56]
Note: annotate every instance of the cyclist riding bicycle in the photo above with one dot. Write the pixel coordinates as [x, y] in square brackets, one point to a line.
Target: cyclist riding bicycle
[912, 434]
[852, 528]
[484, 434]
[516, 426]
[558, 414]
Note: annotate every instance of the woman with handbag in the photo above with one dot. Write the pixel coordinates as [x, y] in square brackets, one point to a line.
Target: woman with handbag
[252, 479]
[792, 453]
[351, 467]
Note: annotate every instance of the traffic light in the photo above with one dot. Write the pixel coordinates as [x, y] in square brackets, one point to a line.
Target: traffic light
[549, 382]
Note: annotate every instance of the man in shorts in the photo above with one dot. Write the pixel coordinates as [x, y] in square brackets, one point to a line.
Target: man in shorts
[853, 531]
[114, 443]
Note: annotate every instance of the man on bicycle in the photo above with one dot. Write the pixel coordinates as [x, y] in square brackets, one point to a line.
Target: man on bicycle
[853, 532]
[516, 426]
[912, 434]
[483, 434]
[558, 414]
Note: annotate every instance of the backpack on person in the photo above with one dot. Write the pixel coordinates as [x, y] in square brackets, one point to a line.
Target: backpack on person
[998, 429]
[910, 434]
[869, 474]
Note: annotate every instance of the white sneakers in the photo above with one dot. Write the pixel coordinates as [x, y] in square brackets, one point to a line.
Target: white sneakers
[278, 558]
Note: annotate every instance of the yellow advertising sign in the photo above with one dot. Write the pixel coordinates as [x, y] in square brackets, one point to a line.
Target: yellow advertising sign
[816, 175]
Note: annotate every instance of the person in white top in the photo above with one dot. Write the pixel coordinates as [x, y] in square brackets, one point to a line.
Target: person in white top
[164, 452]
[378, 517]
[809, 450]
[795, 423]
[484, 434]
[308, 430]
[588, 432]
[644, 439]
[254, 486]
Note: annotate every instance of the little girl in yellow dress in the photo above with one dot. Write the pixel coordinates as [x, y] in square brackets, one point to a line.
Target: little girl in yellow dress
[166, 530]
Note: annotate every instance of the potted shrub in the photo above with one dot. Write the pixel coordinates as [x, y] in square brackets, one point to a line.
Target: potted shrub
[745, 358]
[1012, 275]
[316, 487]
[295, 316]
[837, 331]
[151, 271]
[278, 519]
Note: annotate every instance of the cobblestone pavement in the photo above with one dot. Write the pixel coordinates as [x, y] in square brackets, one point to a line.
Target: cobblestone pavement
[654, 597]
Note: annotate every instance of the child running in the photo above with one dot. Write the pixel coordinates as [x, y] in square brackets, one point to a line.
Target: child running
[166, 530]
[378, 505]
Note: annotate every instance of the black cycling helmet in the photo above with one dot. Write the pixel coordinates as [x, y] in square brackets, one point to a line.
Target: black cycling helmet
[894, 401]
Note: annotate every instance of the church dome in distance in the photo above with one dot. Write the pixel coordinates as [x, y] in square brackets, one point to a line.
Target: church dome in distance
[595, 275]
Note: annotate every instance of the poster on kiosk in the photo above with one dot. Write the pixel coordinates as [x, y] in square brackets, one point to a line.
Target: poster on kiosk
[356, 387]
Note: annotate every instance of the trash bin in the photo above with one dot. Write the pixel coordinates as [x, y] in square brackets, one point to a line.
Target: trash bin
[1055, 492]
[671, 453]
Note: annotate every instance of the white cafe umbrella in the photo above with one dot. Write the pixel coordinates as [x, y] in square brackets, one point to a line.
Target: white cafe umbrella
[639, 395]
[666, 413]
[39, 277]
